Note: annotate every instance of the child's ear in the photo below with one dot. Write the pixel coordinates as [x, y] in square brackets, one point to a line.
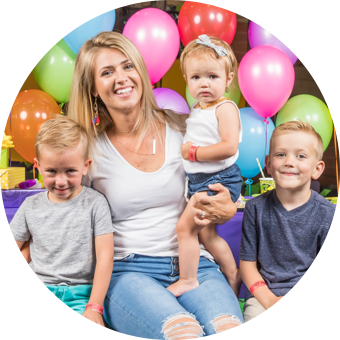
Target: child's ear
[320, 167]
[268, 162]
[230, 78]
[36, 163]
[87, 164]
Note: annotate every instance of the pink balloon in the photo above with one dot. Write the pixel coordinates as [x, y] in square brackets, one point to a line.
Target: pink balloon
[257, 36]
[156, 36]
[266, 77]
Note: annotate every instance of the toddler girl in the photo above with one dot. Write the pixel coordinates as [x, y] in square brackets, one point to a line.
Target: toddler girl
[210, 151]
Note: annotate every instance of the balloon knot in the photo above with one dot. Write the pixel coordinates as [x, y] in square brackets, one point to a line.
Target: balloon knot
[266, 121]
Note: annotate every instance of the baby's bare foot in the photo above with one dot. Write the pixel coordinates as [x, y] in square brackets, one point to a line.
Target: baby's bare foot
[181, 286]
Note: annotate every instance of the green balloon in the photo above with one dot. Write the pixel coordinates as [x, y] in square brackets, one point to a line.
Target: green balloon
[308, 109]
[234, 93]
[54, 72]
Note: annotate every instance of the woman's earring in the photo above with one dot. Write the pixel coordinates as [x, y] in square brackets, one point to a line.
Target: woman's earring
[96, 120]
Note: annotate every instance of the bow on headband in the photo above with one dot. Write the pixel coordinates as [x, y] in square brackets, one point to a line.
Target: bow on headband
[205, 41]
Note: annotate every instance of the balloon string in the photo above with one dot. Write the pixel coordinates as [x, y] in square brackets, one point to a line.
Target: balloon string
[249, 182]
[266, 138]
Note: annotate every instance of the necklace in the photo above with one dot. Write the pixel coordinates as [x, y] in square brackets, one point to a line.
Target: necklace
[137, 153]
[212, 104]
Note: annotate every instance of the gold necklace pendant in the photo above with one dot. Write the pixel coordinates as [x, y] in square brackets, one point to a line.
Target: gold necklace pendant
[137, 153]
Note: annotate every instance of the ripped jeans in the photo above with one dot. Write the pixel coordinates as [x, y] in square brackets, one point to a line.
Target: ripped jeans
[138, 304]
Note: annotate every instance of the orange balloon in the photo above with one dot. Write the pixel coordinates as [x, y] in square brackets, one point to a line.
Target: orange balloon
[30, 109]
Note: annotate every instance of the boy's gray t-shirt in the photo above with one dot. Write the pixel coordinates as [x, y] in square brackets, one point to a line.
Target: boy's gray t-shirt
[284, 243]
[62, 235]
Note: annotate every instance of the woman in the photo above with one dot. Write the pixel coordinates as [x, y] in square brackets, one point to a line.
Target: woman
[138, 167]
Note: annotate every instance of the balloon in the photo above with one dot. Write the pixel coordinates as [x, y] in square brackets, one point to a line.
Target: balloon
[156, 36]
[30, 109]
[253, 142]
[266, 77]
[195, 19]
[90, 29]
[257, 36]
[171, 100]
[234, 93]
[309, 109]
[54, 72]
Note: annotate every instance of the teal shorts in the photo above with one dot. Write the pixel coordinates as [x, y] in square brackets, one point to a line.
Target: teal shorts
[76, 297]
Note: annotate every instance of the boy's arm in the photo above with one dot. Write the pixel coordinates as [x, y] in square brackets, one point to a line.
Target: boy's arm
[102, 275]
[250, 275]
[229, 126]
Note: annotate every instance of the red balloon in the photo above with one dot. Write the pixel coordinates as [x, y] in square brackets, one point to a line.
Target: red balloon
[195, 19]
[30, 109]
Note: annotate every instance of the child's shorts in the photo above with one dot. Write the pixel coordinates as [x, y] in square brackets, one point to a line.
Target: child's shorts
[76, 297]
[230, 178]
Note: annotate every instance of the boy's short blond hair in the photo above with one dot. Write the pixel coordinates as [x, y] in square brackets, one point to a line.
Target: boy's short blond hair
[193, 49]
[61, 133]
[299, 126]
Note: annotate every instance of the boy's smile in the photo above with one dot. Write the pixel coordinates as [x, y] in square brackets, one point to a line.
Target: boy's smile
[293, 161]
[62, 172]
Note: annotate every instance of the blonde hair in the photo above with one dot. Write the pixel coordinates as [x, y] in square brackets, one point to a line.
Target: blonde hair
[61, 133]
[81, 101]
[299, 126]
[195, 50]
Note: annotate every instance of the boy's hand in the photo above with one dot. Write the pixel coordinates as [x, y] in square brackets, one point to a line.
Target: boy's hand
[185, 150]
[94, 316]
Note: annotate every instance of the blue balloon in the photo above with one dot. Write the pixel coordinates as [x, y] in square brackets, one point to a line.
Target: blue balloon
[253, 142]
[103, 22]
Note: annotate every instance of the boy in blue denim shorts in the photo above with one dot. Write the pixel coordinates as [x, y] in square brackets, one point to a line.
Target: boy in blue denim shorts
[284, 229]
[209, 153]
[69, 226]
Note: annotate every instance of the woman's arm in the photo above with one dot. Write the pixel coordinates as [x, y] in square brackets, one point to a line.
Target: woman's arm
[218, 209]
[250, 275]
[102, 275]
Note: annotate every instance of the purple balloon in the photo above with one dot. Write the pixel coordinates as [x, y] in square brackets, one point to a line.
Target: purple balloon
[171, 100]
[257, 36]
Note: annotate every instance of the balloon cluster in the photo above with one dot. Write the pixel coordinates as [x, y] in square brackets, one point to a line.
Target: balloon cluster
[53, 73]
[265, 78]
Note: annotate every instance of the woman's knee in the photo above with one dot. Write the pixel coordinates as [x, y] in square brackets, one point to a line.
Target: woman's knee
[225, 322]
[182, 326]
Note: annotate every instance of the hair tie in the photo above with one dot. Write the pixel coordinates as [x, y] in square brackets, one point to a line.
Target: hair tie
[205, 41]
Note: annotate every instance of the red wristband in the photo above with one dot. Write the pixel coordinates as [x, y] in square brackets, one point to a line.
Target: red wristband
[192, 152]
[96, 307]
[256, 285]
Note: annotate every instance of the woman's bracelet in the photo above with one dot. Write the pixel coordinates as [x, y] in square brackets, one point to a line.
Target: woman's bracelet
[192, 153]
[96, 307]
[256, 285]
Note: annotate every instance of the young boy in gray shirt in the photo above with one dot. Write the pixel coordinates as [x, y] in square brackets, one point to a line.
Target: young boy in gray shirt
[69, 226]
[284, 229]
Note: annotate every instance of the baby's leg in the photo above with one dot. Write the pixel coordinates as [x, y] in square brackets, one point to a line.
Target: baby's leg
[189, 252]
[221, 252]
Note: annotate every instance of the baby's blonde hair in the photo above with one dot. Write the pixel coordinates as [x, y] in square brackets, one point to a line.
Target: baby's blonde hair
[61, 133]
[299, 126]
[195, 50]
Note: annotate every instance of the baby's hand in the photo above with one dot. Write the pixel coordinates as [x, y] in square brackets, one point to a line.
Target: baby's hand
[94, 316]
[185, 150]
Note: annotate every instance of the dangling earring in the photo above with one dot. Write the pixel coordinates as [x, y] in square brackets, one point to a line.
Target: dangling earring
[96, 120]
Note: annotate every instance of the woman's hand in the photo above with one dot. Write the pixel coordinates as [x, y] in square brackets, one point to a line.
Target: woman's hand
[185, 150]
[94, 316]
[218, 209]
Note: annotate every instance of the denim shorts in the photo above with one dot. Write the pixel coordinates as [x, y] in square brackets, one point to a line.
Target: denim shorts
[137, 302]
[229, 177]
